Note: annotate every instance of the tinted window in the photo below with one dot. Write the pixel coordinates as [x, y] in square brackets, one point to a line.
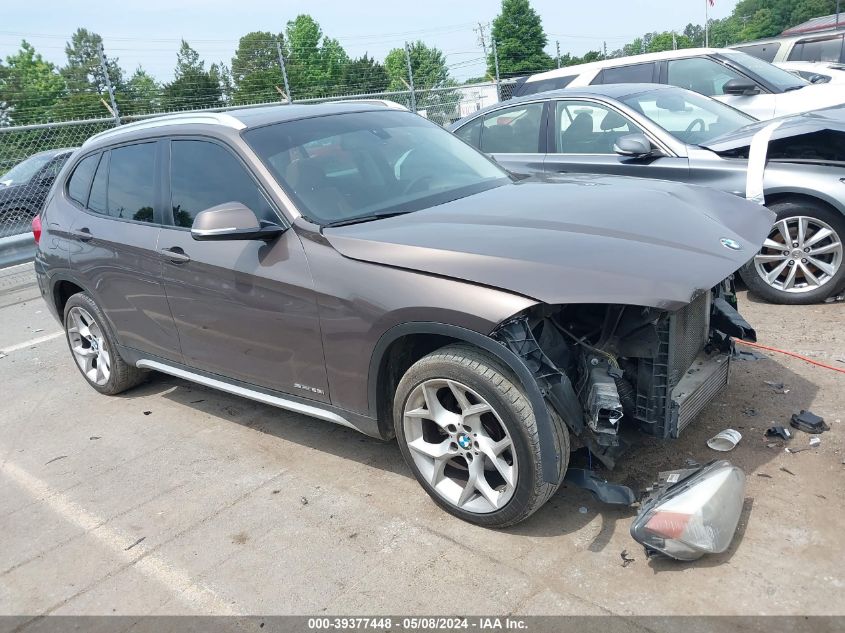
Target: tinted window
[97, 201]
[766, 52]
[513, 130]
[777, 77]
[22, 172]
[633, 74]
[471, 132]
[131, 182]
[584, 127]
[701, 75]
[203, 175]
[822, 50]
[553, 83]
[80, 180]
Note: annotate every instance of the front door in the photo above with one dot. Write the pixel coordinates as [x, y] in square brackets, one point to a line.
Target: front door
[582, 139]
[243, 309]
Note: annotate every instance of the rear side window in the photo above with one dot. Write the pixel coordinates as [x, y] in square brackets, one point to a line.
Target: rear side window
[513, 130]
[633, 74]
[766, 52]
[819, 50]
[131, 182]
[533, 87]
[98, 201]
[471, 133]
[203, 175]
[80, 181]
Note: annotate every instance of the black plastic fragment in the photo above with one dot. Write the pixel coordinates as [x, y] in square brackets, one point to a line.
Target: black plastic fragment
[606, 492]
[808, 422]
[727, 320]
[779, 431]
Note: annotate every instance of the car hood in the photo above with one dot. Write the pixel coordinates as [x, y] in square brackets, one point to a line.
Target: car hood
[797, 125]
[575, 239]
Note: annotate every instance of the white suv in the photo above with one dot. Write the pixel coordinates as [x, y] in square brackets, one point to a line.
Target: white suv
[733, 77]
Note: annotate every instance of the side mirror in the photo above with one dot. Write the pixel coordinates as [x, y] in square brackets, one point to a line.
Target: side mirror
[741, 87]
[232, 221]
[633, 145]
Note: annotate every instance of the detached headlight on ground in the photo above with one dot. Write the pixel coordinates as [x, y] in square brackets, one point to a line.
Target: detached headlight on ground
[694, 512]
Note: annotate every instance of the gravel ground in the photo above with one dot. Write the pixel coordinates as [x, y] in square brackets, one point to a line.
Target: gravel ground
[175, 499]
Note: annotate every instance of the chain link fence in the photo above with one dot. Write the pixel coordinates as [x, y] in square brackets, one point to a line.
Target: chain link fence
[32, 155]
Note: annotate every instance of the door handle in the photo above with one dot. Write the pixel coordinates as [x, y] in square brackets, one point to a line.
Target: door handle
[175, 255]
[83, 235]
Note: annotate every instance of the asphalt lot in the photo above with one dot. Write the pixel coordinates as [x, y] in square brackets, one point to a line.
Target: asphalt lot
[175, 499]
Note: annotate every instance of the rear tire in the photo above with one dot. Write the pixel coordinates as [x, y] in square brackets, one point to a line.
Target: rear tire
[812, 279]
[94, 348]
[468, 432]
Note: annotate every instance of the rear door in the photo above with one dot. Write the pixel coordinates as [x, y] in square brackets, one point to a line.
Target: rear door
[582, 135]
[243, 309]
[514, 137]
[114, 246]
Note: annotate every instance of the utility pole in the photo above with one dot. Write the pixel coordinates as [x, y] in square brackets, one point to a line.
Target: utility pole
[674, 42]
[557, 46]
[105, 68]
[288, 95]
[604, 50]
[837, 12]
[496, 63]
[481, 38]
[411, 76]
[706, 23]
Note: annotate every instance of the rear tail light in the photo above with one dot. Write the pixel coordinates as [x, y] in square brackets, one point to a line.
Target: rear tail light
[697, 515]
[36, 228]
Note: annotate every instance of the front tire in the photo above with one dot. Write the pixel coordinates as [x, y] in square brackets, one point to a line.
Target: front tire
[94, 347]
[469, 435]
[801, 260]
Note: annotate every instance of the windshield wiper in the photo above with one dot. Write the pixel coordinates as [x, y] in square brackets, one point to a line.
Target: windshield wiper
[795, 87]
[369, 217]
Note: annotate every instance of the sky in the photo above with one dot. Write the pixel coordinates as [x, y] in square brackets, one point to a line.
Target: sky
[147, 32]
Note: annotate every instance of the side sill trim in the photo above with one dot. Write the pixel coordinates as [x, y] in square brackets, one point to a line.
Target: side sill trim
[282, 403]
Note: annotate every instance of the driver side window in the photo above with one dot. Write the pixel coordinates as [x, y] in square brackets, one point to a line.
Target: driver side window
[584, 127]
[701, 75]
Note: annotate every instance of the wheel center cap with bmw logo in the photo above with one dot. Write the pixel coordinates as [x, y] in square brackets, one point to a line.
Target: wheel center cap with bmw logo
[464, 441]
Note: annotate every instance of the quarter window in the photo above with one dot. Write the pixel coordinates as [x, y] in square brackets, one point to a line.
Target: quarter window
[203, 175]
[766, 51]
[80, 181]
[98, 200]
[131, 182]
[701, 75]
[633, 74]
[513, 130]
[589, 128]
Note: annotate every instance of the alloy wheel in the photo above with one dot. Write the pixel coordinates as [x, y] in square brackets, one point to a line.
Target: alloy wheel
[800, 254]
[88, 345]
[460, 445]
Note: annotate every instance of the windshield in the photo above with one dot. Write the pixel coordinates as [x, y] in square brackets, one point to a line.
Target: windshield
[23, 172]
[778, 77]
[688, 116]
[364, 164]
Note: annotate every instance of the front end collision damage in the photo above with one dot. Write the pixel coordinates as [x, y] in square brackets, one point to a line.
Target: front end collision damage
[603, 366]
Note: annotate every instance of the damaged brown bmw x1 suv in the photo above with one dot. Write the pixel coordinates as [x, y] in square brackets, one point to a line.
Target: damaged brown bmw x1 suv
[357, 263]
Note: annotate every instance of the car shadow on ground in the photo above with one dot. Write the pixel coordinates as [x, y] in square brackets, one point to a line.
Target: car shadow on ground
[748, 404]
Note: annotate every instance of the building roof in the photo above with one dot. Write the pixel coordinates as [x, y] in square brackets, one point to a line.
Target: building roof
[822, 23]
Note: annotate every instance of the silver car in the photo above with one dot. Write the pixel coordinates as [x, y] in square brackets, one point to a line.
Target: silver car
[668, 133]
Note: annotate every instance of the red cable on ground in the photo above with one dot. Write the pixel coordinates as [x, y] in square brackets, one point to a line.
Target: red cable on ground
[793, 354]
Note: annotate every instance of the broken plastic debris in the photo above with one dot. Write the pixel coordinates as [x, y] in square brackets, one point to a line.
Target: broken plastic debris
[808, 422]
[814, 441]
[725, 441]
[779, 431]
[835, 298]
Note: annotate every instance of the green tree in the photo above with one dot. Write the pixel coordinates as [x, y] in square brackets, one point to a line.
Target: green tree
[365, 75]
[29, 85]
[193, 86]
[83, 72]
[314, 63]
[427, 63]
[256, 73]
[520, 40]
[142, 94]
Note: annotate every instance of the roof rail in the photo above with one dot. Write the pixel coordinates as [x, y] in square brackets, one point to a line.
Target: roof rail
[387, 103]
[208, 118]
